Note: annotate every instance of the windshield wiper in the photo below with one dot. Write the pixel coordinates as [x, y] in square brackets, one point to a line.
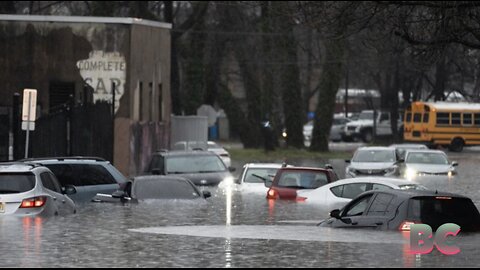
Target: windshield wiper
[261, 177]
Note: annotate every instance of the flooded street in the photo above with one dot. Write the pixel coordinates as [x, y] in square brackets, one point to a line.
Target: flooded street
[249, 232]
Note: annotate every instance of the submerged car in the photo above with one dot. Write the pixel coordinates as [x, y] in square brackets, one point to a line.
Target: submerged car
[254, 176]
[427, 162]
[32, 190]
[203, 168]
[150, 187]
[339, 193]
[398, 210]
[289, 180]
[206, 146]
[373, 161]
[89, 175]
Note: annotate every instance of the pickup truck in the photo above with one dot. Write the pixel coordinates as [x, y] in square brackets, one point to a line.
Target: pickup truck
[362, 128]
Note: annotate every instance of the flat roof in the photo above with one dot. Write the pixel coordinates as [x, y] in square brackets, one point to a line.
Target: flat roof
[453, 105]
[84, 19]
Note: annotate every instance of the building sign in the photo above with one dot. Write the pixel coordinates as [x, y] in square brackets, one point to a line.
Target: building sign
[100, 70]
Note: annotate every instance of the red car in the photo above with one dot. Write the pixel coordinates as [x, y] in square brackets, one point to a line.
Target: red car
[290, 179]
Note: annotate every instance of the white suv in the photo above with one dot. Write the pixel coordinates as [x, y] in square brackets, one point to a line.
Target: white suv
[32, 190]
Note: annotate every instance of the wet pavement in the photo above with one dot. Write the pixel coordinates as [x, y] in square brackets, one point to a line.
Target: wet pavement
[230, 229]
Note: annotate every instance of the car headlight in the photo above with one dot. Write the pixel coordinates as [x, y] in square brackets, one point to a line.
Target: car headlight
[410, 173]
[284, 134]
[228, 181]
[391, 169]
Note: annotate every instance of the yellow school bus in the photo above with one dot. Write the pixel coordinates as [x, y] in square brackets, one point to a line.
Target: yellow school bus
[451, 125]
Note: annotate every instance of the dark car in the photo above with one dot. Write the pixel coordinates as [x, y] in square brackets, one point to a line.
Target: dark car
[397, 210]
[149, 187]
[288, 180]
[89, 175]
[201, 167]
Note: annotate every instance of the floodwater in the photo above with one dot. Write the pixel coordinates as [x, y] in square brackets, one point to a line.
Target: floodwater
[230, 229]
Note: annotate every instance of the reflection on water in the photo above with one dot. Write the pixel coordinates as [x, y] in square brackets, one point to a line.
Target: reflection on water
[231, 229]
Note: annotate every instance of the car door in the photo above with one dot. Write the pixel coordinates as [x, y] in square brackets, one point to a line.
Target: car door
[384, 125]
[379, 211]
[65, 203]
[352, 214]
[58, 199]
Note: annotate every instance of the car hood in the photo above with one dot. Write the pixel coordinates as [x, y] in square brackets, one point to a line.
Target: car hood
[430, 168]
[360, 122]
[371, 165]
[205, 179]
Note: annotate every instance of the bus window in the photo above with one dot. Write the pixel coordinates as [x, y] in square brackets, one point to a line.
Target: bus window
[467, 119]
[444, 118]
[408, 117]
[417, 117]
[456, 120]
[477, 119]
[425, 118]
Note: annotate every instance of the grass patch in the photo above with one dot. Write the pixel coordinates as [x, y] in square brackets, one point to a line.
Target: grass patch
[259, 155]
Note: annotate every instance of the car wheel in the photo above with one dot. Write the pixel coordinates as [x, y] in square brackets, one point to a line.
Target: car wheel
[456, 145]
[367, 136]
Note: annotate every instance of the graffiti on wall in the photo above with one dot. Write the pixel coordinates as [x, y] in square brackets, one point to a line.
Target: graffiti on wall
[102, 69]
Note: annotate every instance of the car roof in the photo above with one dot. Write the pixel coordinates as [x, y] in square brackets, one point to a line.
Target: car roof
[409, 145]
[185, 153]
[425, 151]
[73, 158]
[17, 167]
[366, 148]
[375, 180]
[408, 194]
[263, 165]
[303, 169]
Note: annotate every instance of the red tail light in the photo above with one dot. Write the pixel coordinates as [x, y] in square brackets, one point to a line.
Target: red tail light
[34, 202]
[272, 194]
[405, 226]
[301, 199]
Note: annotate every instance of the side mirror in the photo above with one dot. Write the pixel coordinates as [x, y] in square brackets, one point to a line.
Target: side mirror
[231, 169]
[268, 182]
[347, 160]
[329, 166]
[206, 194]
[454, 163]
[400, 161]
[119, 194]
[69, 190]
[335, 213]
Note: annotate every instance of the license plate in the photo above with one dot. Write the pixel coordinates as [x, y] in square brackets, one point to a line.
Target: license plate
[2, 207]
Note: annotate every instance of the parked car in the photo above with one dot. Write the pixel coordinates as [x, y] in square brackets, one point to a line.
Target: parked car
[339, 193]
[208, 146]
[150, 187]
[32, 190]
[363, 127]
[426, 162]
[398, 210]
[369, 161]
[289, 180]
[338, 125]
[89, 175]
[201, 167]
[402, 148]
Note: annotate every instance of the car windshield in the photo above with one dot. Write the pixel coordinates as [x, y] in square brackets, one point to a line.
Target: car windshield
[255, 175]
[427, 158]
[436, 211]
[16, 183]
[163, 189]
[302, 179]
[194, 164]
[365, 116]
[374, 156]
